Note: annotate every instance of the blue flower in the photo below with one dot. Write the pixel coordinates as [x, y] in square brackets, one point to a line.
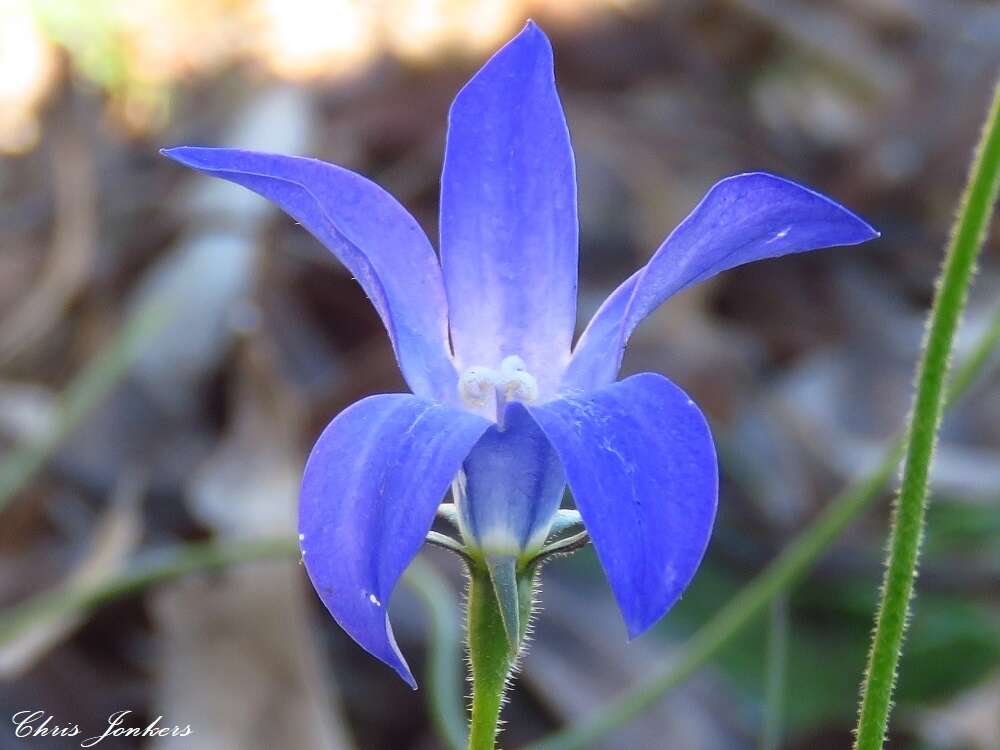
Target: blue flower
[504, 407]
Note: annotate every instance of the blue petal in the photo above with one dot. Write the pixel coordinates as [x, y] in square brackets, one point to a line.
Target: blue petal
[508, 214]
[743, 218]
[511, 486]
[371, 234]
[640, 461]
[371, 486]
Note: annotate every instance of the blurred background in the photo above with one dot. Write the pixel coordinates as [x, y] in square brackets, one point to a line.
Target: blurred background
[193, 422]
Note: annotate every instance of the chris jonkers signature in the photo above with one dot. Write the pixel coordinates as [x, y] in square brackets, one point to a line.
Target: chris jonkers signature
[31, 723]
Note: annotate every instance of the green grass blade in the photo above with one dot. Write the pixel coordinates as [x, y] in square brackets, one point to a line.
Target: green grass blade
[86, 391]
[776, 664]
[154, 568]
[928, 406]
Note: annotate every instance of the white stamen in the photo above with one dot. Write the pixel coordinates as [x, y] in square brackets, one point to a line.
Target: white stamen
[374, 600]
[478, 385]
[521, 386]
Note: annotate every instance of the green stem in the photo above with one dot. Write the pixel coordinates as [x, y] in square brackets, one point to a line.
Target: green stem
[754, 598]
[490, 661]
[492, 657]
[911, 504]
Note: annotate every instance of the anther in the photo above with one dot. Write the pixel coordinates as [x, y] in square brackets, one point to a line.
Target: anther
[478, 385]
[521, 386]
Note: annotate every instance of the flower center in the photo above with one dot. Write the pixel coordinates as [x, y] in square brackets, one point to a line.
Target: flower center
[479, 385]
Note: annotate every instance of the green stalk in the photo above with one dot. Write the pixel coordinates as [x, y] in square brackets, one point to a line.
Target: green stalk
[490, 662]
[492, 655]
[753, 599]
[911, 504]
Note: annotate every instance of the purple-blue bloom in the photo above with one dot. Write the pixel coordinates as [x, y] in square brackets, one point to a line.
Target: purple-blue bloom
[504, 408]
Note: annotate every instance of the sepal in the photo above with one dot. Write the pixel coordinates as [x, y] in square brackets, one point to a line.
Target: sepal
[446, 542]
[564, 546]
[502, 592]
[566, 521]
[503, 576]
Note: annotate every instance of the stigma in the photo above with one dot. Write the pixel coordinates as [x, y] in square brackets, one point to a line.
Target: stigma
[479, 386]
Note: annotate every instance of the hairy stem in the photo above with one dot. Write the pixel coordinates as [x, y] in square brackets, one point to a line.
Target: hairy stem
[928, 406]
[492, 656]
[490, 660]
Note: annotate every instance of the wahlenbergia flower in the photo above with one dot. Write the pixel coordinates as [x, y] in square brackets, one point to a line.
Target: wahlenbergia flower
[504, 408]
